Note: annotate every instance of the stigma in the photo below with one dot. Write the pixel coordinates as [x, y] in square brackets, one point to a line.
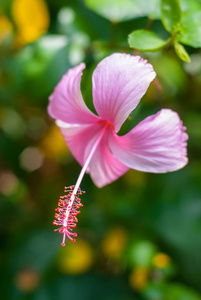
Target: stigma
[67, 211]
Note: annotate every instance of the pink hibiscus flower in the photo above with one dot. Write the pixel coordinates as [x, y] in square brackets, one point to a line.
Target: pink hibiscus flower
[156, 145]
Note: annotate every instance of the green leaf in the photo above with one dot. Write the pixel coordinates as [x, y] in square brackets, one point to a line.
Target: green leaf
[171, 14]
[190, 5]
[190, 33]
[149, 8]
[168, 291]
[145, 40]
[123, 10]
[181, 52]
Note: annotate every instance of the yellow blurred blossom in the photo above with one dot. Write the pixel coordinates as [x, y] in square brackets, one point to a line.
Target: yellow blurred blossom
[53, 145]
[138, 277]
[76, 258]
[31, 18]
[161, 260]
[5, 27]
[114, 242]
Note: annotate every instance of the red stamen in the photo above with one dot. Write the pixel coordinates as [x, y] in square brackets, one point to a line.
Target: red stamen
[67, 211]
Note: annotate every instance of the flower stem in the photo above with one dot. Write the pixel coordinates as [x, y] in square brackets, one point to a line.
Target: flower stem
[81, 175]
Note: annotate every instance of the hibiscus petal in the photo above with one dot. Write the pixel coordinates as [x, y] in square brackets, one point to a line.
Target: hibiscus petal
[104, 167]
[119, 82]
[79, 138]
[66, 102]
[156, 145]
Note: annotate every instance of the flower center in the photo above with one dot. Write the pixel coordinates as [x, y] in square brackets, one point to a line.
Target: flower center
[108, 124]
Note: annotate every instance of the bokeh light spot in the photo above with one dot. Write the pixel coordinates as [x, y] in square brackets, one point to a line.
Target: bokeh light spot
[66, 16]
[76, 258]
[161, 260]
[8, 183]
[138, 277]
[26, 280]
[31, 159]
[12, 123]
[114, 242]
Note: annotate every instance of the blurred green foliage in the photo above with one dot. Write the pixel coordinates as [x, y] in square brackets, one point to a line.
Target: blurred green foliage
[183, 25]
[139, 237]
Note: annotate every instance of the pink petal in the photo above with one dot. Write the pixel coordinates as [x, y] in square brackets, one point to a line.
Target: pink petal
[80, 138]
[104, 167]
[119, 82]
[156, 145]
[66, 102]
